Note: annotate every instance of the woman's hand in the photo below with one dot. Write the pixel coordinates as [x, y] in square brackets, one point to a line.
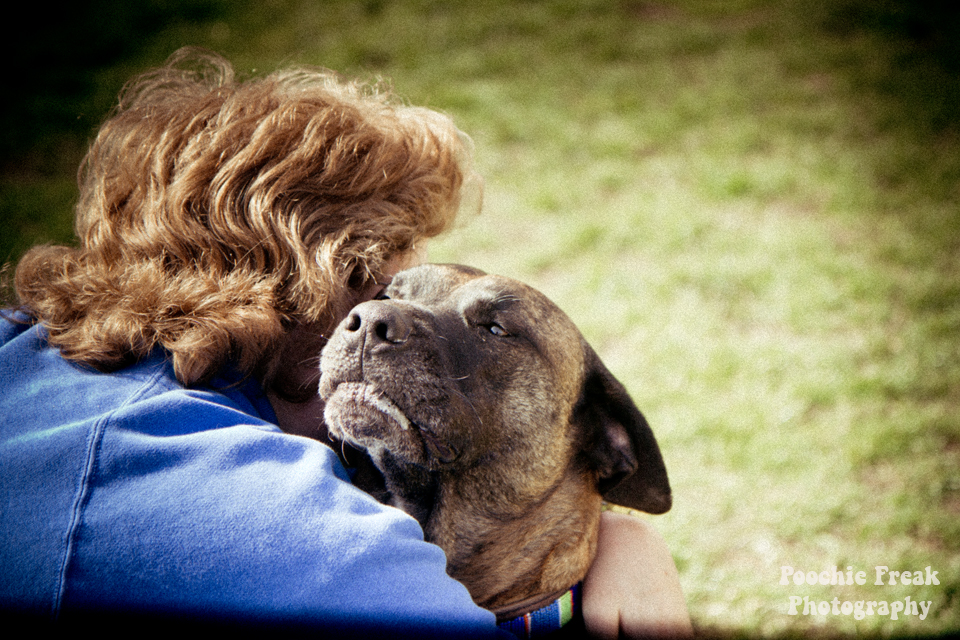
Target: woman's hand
[633, 589]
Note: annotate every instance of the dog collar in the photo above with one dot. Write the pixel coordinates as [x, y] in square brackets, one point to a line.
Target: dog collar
[543, 620]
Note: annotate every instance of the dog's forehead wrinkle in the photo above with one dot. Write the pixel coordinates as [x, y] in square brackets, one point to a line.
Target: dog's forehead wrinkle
[491, 292]
[430, 283]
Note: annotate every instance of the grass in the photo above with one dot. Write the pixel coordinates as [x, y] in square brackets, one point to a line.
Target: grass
[752, 209]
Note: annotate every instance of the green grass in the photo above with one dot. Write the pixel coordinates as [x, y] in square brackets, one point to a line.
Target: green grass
[752, 210]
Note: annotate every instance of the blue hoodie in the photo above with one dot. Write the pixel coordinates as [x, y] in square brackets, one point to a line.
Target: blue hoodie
[126, 493]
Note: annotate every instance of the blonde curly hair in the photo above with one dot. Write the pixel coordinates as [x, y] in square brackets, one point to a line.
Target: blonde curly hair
[216, 215]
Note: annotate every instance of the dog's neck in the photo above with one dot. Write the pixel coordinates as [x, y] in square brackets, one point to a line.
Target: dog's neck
[528, 551]
[410, 488]
[505, 550]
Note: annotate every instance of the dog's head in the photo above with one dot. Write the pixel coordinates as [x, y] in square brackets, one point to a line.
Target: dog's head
[470, 389]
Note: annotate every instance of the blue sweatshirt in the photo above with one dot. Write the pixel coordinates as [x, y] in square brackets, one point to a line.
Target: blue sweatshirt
[128, 493]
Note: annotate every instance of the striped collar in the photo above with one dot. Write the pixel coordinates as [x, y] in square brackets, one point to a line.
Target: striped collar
[543, 620]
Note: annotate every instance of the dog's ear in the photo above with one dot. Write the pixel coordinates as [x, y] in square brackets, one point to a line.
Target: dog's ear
[619, 443]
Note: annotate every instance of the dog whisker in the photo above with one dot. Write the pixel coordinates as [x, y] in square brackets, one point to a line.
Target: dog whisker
[312, 361]
[466, 399]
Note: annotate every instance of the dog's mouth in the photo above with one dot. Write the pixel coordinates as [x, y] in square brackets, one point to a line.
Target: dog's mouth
[355, 412]
[361, 393]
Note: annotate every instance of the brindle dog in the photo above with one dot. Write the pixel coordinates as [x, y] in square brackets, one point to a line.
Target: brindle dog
[493, 423]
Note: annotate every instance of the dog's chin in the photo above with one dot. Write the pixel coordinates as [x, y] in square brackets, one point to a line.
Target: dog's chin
[357, 411]
[360, 414]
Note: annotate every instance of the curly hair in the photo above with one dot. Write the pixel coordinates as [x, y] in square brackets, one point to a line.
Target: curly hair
[214, 215]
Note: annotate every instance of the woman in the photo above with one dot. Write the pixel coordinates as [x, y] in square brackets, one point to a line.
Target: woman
[225, 228]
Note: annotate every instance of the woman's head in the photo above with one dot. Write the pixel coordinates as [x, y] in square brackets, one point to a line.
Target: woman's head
[214, 215]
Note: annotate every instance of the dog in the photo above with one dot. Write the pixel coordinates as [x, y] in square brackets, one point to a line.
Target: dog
[488, 418]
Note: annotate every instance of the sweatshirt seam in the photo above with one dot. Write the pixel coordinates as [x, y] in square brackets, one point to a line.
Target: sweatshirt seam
[82, 495]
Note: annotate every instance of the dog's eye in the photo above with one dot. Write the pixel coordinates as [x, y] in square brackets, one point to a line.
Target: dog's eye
[497, 330]
[382, 295]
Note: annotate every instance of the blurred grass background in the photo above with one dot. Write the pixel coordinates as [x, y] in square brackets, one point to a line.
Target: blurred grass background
[751, 208]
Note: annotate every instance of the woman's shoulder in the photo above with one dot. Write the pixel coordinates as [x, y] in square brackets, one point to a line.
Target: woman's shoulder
[35, 377]
[13, 322]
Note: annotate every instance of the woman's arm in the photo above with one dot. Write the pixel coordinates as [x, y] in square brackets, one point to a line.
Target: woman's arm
[633, 589]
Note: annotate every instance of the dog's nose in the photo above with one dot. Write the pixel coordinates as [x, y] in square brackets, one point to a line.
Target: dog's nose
[379, 322]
